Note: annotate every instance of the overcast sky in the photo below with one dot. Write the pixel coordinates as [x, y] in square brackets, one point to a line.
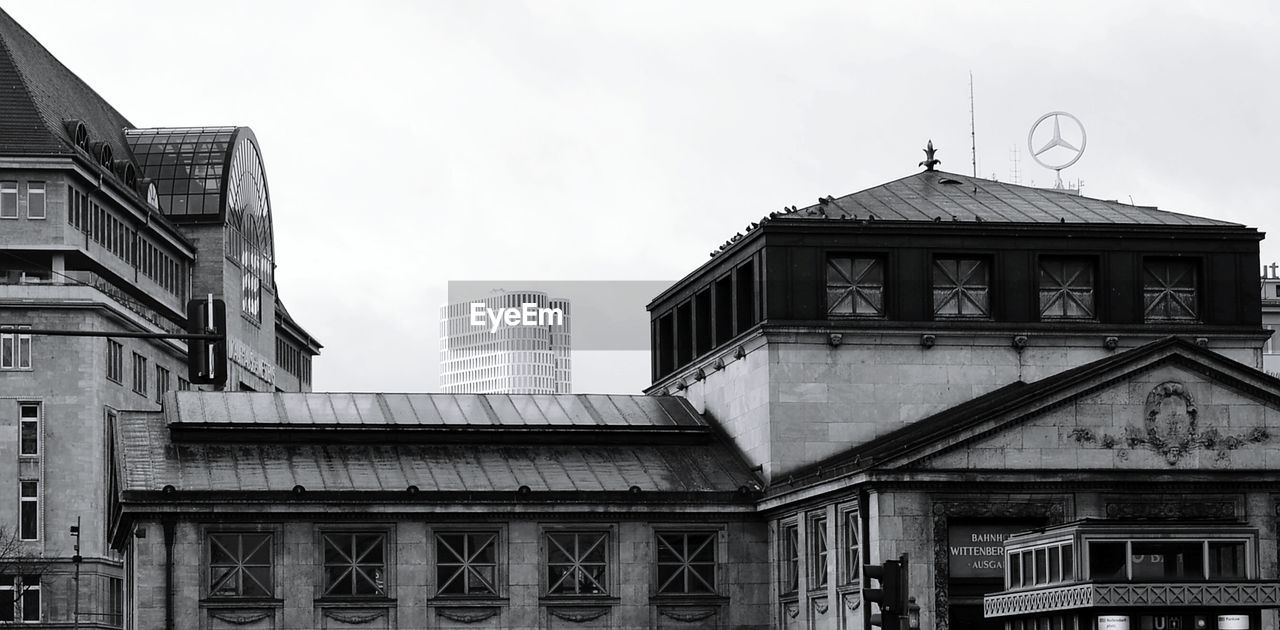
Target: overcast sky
[412, 143]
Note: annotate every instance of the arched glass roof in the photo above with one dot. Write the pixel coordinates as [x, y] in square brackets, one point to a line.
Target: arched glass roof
[186, 164]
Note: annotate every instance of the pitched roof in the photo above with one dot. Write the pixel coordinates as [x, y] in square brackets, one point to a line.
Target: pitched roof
[333, 409]
[151, 459]
[940, 196]
[955, 420]
[37, 93]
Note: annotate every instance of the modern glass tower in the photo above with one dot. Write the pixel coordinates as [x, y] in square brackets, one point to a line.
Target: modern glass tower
[481, 353]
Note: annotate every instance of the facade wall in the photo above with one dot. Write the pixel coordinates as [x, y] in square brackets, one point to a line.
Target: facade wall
[412, 602]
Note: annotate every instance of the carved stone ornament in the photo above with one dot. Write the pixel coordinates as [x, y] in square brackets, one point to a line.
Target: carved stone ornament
[578, 615]
[1173, 510]
[687, 615]
[1169, 427]
[792, 609]
[240, 618]
[355, 617]
[1051, 510]
[467, 615]
[820, 606]
[851, 600]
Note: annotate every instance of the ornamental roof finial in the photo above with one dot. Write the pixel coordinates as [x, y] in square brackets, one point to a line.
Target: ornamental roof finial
[929, 162]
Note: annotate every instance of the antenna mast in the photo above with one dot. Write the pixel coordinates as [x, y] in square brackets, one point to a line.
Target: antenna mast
[973, 136]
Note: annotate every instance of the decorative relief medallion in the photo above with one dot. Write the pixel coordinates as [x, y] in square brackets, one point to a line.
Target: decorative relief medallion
[355, 617]
[792, 609]
[467, 615]
[1169, 427]
[578, 615]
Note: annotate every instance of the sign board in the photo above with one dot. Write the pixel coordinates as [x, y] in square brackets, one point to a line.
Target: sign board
[1113, 622]
[977, 549]
[1233, 622]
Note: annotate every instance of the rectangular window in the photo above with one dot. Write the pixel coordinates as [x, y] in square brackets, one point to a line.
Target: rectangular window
[1015, 569]
[29, 431]
[852, 550]
[1226, 561]
[8, 200]
[790, 556]
[115, 361]
[686, 563]
[355, 564]
[1068, 563]
[1170, 290]
[19, 598]
[855, 286]
[577, 563]
[961, 288]
[184, 385]
[162, 383]
[467, 563]
[1167, 560]
[240, 565]
[35, 200]
[139, 374]
[29, 510]
[1066, 288]
[115, 602]
[818, 552]
[15, 348]
[1107, 561]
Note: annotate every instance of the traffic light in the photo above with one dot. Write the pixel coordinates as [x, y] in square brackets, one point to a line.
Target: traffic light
[207, 358]
[893, 597]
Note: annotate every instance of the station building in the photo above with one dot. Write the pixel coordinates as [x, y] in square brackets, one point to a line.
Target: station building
[109, 227]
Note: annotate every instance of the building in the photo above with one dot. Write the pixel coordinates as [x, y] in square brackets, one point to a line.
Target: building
[109, 227]
[1271, 317]
[936, 364]
[484, 352]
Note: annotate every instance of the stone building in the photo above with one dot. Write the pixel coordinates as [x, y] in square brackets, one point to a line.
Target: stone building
[107, 227]
[247, 510]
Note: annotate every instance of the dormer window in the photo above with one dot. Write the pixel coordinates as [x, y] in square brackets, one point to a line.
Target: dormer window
[855, 286]
[961, 288]
[1066, 288]
[1170, 290]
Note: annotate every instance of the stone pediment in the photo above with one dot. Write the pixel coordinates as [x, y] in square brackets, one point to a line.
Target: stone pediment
[1181, 411]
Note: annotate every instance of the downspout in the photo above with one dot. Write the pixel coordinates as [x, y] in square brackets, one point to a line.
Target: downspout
[169, 531]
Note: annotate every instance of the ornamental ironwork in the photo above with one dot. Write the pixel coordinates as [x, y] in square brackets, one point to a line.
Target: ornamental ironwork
[1086, 595]
[1045, 600]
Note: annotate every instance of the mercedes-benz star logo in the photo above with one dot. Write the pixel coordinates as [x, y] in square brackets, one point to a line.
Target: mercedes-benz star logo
[1057, 142]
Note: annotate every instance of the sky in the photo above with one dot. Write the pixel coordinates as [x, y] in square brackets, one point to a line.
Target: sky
[410, 144]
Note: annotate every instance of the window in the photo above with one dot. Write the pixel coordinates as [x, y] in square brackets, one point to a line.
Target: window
[1169, 290]
[1167, 560]
[577, 563]
[1226, 561]
[355, 564]
[162, 383]
[686, 563]
[467, 563]
[15, 348]
[19, 598]
[852, 550]
[961, 288]
[184, 385]
[240, 565]
[115, 602]
[29, 510]
[818, 556]
[1066, 288]
[115, 361]
[790, 555]
[35, 200]
[855, 287]
[8, 200]
[139, 374]
[29, 430]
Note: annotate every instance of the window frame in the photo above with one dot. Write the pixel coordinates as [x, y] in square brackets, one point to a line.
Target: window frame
[16, 594]
[324, 532]
[33, 501]
[1196, 265]
[849, 569]
[35, 425]
[115, 361]
[609, 588]
[21, 348]
[139, 374]
[879, 259]
[207, 567]
[9, 192]
[500, 559]
[986, 261]
[684, 564]
[1097, 295]
[43, 191]
[817, 550]
[163, 382]
[789, 553]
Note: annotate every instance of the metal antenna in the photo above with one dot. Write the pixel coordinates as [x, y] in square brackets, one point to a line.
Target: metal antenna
[973, 135]
[1014, 174]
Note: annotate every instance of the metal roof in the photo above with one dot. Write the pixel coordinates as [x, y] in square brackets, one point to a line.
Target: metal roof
[305, 410]
[941, 196]
[150, 461]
